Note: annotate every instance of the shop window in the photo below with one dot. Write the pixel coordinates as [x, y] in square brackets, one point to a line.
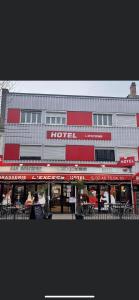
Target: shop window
[42, 190]
[30, 190]
[19, 194]
[125, 193]
[104, 155]
[7, 194]
[102, 120]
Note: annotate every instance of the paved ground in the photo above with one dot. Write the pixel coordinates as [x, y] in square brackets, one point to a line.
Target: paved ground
[63, 217]
[72, 217]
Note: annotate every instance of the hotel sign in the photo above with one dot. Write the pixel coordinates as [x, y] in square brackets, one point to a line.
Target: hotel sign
[66, 135]
[70, 177]
[127, 162]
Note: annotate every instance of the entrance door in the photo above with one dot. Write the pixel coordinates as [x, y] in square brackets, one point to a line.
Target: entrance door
[60, 194]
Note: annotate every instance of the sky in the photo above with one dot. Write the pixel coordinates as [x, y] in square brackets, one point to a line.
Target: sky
[88, 88]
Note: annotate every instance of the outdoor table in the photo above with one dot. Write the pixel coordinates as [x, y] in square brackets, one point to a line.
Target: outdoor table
[118, 208]
[86, 206]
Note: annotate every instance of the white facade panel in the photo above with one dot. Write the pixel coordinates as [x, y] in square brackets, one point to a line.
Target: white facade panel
[126, 152]
[54, 153]
[30, 150]
[126, 120]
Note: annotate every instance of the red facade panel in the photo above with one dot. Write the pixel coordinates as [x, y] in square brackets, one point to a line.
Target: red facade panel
[137, 118]
[11, 152]
[79, 118]
[82, 153]
[13, 115]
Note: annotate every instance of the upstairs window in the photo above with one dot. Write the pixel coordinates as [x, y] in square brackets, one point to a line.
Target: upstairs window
[31, 117]
[104, 155]
[102, 120]
[55, 120]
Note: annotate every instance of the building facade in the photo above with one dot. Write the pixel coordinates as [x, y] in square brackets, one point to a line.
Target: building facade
[52, 142]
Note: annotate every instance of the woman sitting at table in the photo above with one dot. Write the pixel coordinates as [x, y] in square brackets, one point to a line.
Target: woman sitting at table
[93, 200]
[104, 198]
[29, 200]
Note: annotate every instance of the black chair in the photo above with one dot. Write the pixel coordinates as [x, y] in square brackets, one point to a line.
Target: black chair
[79, 217]
[48, 216]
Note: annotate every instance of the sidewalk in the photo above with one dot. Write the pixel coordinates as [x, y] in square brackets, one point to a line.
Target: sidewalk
[63, 217]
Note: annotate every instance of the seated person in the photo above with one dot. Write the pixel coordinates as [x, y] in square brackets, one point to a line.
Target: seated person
[94, 200]
[104, 198]
[112, 199]
[41, 199]
[6, 198]
[18, 203]
[29, 200]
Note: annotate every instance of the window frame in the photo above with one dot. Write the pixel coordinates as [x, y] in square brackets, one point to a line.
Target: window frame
[55, 117]
[31, 117]
[97, 118]
[104, 149]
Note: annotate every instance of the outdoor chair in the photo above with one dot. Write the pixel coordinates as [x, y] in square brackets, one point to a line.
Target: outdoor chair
[79, 217]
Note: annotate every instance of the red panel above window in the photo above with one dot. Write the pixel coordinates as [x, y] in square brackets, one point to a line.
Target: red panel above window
[13, 115]
[79, 118]
[137, 117]
[11, 152]
[82, 153]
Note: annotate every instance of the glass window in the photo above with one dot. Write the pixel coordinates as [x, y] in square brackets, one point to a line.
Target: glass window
[95, 119]
[104, 155]
[53, 120]
[33, 117]
[110, 120]
[104, 197]
[58, 120]
[63, 121]
[105, 120]
[19, 194]
[30, 190]
[47, 120]
[28, 117]
[113, 193]
[7, 194]
[99, 119]
[23, 115]
[38, 117]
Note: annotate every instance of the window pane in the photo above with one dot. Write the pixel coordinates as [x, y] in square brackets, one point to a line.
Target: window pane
[53, 120]
[99, 119]
[63, 120]
[110, 120]
[104, 119]
[105, 155]
[95, 119]
[33, 117]
[38, 117]
[58, 120]
[47, 120]
[28, 119]
[23, 117]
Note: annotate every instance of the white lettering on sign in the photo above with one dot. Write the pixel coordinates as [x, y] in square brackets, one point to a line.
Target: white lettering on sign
[77, 177]
[12, 177]
[59, 135]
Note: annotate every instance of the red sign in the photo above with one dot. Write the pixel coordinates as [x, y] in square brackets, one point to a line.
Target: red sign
[66, 135]
[127, 162]
[56, 176]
